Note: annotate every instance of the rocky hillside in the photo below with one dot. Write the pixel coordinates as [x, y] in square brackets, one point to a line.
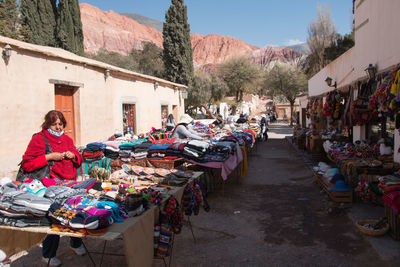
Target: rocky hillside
[114, 32]
[118, 33]
[215, 49]
[264, 56]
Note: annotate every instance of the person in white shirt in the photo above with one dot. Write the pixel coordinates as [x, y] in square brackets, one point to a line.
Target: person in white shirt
[182, 131]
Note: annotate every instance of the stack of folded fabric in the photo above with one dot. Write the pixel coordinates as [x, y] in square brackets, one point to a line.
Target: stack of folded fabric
[61, 194]
[93, 151]
[140, 150]
[125, 155]
[392, 199]
[157, 151]
[32, 204]
[21, 208]
[175, 150]
[223, 147]
[389, 183]
[195, 149]
[232, 138]
[245, 138]
[111, 152]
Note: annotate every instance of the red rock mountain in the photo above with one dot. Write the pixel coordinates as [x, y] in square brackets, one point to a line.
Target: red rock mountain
[118, 33]
[114, 32]
[267, 54]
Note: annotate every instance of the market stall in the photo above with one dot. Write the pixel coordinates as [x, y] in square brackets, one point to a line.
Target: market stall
[359, 143]
[137, 232]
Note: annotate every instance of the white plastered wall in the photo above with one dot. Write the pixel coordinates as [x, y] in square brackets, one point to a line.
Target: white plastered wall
[28, 93]
[376, 42]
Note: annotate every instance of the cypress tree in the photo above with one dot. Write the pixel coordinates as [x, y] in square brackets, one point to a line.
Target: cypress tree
[9, 18]
[39, 17]
[178, 58]
[69, 26]
[76, 20]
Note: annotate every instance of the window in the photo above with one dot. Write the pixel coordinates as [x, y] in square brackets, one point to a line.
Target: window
[164, 114]
[129, 118]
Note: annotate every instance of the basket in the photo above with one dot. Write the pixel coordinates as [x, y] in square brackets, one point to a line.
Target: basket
[371, 232]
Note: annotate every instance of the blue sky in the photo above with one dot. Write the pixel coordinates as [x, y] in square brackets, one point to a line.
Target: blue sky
[257, 22]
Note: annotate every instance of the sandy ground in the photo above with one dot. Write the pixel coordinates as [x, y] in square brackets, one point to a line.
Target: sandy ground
[276, 216]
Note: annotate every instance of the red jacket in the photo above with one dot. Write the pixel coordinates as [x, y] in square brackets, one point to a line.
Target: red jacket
[35, 158]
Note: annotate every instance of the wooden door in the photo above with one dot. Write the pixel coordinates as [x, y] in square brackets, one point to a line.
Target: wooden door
[303, 117]
[175, 112]
[64, 102]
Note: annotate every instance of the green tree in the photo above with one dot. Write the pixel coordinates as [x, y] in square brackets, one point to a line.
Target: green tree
[178, 58]
[149, 59]
[339, 46]
[241, 75]
[286, 82]
[206, 89]
[9, 18]
[321, 34]
[69, 26]
[39, 18]
[116, 59]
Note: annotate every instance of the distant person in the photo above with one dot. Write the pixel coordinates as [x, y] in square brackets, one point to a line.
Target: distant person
[219, 121]
[268, 118]
[242, 119]
[273, 117]
[264, 129]
[182, 131]
[170, 122]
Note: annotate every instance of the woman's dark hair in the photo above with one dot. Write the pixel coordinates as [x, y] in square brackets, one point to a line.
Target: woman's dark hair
[51, 117]
[170, 118]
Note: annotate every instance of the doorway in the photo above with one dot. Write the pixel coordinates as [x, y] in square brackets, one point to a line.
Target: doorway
[303, 117]
[164, 115]
[64, 102]
[129, 118]
[175, 112]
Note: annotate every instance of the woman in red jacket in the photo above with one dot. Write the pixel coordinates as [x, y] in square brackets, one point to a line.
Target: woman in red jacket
[66, 160]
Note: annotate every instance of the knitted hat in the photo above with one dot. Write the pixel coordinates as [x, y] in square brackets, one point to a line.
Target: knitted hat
[185, 118]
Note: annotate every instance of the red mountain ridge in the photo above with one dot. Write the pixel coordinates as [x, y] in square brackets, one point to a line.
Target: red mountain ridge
[117, 33]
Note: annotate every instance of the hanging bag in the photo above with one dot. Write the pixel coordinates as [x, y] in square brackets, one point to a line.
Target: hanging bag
[39, 173]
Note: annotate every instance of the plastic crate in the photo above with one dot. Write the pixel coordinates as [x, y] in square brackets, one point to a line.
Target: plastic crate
[336, 196]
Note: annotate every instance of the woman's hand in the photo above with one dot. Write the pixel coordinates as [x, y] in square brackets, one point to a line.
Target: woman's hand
[69, 155]
[55, 156]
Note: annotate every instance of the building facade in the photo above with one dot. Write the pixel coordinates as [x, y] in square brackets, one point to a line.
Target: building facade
[376, 44]
[97, 99]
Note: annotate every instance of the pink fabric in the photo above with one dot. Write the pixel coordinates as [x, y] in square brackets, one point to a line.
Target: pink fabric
[227, 166]
[392, 199]
[113, 144]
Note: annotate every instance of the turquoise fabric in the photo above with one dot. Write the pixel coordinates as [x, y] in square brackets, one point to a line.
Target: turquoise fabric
[87, 166]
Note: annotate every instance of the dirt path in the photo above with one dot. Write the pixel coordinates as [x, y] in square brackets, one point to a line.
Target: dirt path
[275, 217]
